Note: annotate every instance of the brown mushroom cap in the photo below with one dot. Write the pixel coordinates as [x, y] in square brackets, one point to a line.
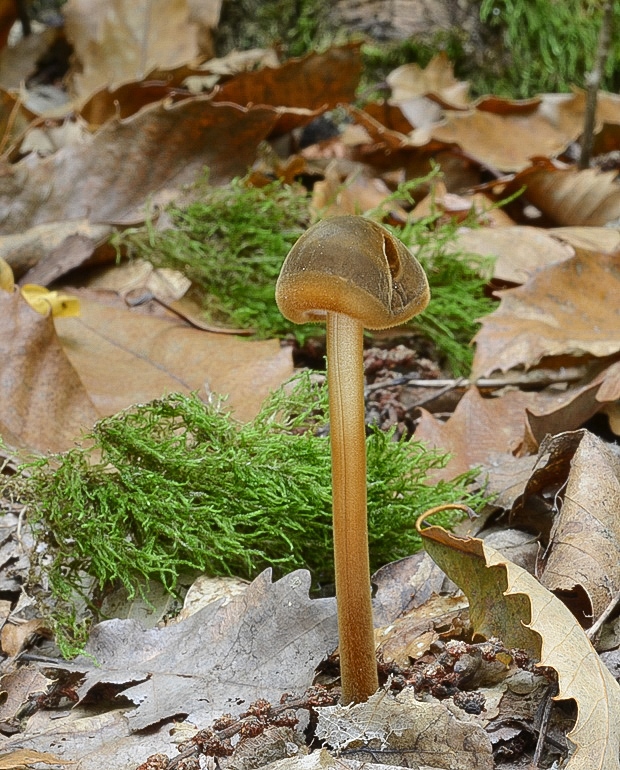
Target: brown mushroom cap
[353, 266]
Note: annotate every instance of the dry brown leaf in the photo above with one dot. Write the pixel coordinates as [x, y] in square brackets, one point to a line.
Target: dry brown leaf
[314, 82]
[520, 251]
[507, 140]
[26, 249]
[507, 602]
[437, 78]
[17, 686]
[118, 41]
[125, 356]
[110, 178]
[588, 198]
[567, 308]
[478, 429]
[584, 546]
[44, 404]
[602, 240]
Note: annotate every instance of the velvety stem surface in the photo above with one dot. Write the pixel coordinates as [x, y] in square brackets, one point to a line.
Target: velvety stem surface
[348, 446]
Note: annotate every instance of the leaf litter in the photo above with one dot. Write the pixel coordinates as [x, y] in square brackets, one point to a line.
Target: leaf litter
[556, 483]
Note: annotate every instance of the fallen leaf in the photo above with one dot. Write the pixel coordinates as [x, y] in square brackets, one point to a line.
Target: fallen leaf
[265, 642]
[44, 404]
[588, 198]
[478, 429]
[110, 178]
[313, 82]
[28, 248]
[427, 733]
[583, 553]
[22, 759]
[120, 41]
[507, 140]
[437, 78]
[567, 308]
[45, 301]
[507, 602]
[520, 250]
[127, 356]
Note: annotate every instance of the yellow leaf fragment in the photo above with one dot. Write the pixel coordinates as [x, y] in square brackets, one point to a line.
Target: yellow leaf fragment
[6, 276]
[43, 301]
[509, 603]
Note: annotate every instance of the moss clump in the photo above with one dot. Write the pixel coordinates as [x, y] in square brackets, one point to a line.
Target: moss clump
[232, 243]
[550, 45]
[176, 485]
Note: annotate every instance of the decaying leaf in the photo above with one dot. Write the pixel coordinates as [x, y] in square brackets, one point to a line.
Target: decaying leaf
[120, 41]
[507, 602]
[584, 546]
[570, 197]
[265, 642]
[567, 308]
[427, 733]
[520, 250]
[44, 403]
[109, 178]
[478, 429]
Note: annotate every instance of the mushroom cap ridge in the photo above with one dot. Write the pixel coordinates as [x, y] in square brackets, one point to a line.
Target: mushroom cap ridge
[354, 266]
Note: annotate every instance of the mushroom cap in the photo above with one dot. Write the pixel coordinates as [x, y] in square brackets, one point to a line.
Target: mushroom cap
[351, 265]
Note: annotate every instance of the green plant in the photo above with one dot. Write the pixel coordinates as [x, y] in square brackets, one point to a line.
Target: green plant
[232, 242]
[177, 485]
[551, 43]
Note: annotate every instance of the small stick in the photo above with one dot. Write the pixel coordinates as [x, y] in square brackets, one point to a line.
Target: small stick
[484, 383]
[594, 629]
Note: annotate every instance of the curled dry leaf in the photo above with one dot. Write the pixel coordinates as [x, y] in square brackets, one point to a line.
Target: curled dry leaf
[588, 198]
[507, 602]
[117, 41]
[583, 554]
[567, 308]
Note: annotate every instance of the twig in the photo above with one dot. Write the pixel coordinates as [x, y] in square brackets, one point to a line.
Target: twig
[593, 83]
[544, 722]
[592, 632]
[484, 383]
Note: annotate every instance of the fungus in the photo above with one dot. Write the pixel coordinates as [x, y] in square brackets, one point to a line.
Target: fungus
[351, 273]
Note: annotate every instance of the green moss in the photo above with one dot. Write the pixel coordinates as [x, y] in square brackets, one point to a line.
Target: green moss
[232, 243]
[550, 45]
[175, 485]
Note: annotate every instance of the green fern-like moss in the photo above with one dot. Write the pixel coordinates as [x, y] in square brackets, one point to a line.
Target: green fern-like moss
[176, 485]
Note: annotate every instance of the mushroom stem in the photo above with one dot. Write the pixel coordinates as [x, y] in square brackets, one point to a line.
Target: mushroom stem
[345, 375]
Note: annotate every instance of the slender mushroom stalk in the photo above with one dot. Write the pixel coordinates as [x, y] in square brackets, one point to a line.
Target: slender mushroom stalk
[352, 273]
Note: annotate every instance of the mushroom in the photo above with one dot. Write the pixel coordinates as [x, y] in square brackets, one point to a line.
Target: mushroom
[352, 273]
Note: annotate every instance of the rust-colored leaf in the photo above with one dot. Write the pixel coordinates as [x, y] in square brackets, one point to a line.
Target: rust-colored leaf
[588, 198]
[568, 308]
[110, 178]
